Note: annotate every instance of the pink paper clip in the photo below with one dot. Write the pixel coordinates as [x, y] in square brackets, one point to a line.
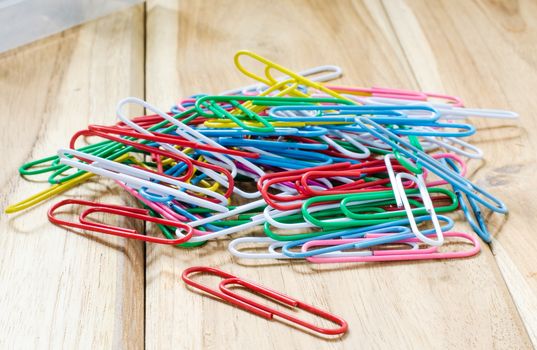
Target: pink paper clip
[429, 253]
[400, 94]
[381, 92]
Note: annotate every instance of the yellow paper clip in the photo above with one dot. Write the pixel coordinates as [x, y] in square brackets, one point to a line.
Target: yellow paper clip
[46, 194]
[269, 80]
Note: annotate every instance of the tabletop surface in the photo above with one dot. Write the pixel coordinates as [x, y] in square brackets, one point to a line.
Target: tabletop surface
[60, 288]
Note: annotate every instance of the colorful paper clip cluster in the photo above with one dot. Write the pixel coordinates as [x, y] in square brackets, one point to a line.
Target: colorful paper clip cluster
[328, 173]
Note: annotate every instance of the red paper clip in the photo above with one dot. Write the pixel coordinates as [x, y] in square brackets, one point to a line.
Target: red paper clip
[145, 121]
[261, 310]
[352, 187]
[301, 179]
[137, 213]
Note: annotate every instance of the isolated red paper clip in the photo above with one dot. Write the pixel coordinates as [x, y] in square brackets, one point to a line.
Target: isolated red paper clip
[137, 213]
[261, 310]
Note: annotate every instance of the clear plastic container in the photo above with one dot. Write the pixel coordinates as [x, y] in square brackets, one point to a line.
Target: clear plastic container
[23, 21]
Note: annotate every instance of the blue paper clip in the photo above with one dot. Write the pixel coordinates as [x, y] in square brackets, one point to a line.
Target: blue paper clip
[432, 129]
[270, 145]
[378, 114]
[479, 227]
[294, 160]
[310, 131]
[418, 156]
[351, 112]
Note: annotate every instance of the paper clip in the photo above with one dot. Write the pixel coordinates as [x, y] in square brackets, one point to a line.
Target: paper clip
[272, 245]
[402, 201]
[450, 143]
[404, 96]
[53, 190]
[447, 111]
[248, 119]
[131, 212]
[46, 194]
[397, 229]
[232, 247]
[332, 72]
[138, 178]
[479, 227]
[27, 169]
[351, 210]
[256, 308]
[270, 81]
[391, 255]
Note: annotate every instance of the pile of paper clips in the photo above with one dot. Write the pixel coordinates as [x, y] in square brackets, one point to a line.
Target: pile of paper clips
[310, 171]
[328, 173]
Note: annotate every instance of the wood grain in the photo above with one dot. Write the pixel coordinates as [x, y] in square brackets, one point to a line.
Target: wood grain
[59, 289]
[450, 304]
[485, 52]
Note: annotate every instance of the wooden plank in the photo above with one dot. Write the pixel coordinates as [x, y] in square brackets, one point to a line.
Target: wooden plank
[484, 51]
[450, 304]
[60, 289]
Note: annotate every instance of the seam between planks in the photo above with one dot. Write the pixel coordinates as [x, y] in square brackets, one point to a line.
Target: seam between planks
[519, 290]
[401, 48]
[144, 249]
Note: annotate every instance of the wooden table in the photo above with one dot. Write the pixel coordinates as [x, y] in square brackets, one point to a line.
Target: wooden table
[72, 290]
